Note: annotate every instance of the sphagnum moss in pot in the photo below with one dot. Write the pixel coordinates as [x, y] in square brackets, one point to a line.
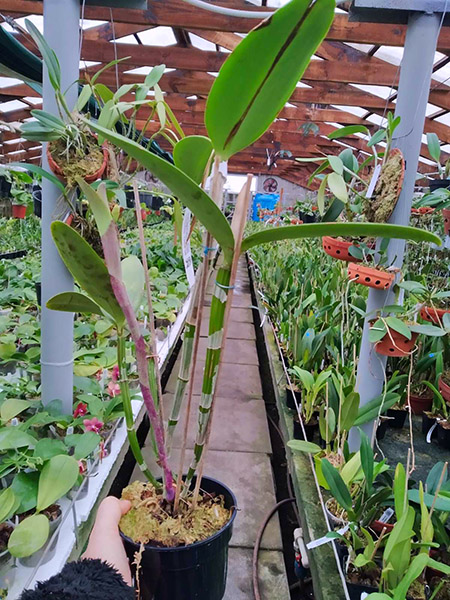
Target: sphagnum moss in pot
[114, 289]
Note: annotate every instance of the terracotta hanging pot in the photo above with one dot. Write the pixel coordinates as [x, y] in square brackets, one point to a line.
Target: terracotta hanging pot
[19, 211]
[444, 388]
[338, 248]
[88, 178]
[446, 215]
[396, 344]
[370, 277]
[423, 210]
[420, 404]
[378, 526]
[433, 315]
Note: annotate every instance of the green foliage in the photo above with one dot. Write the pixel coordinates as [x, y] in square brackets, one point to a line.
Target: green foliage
[58, 476]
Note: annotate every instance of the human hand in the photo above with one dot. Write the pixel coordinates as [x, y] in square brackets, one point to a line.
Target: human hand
[105, 542]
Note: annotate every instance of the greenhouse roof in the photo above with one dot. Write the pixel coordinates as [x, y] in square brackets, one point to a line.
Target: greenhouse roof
[352, 79]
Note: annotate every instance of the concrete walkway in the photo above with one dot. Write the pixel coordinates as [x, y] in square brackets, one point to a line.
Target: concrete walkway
[239, 452]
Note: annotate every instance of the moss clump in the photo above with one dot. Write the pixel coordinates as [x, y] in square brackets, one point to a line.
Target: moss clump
[72, 164]
[151, 519]
[387, 190]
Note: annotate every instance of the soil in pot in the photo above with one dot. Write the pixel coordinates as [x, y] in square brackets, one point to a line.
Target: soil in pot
[420, 403]
[443, 434]
[69, 165]
[336, 514]
[370, 277]
[444, 386]
[397, 417]
[396, 344]
[292, 397]
[362, 580]
[444, 592]
[310, 429]
[183, 558]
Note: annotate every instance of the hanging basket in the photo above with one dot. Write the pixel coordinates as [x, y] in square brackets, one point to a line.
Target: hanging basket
[433, 315]
[396, 344]
[338, 248]
[57, 170]
[370, 277]
[446, 215]
[387, 191]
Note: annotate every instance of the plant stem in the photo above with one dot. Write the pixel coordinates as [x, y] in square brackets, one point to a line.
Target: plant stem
[127, 409]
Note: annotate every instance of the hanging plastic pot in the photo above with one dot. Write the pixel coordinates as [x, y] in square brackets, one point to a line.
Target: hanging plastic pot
[446, 215]
[293, 398]
[19, 211]
[338, 248]
[370, 277]
[194, 572]
[433, 315]
[396, 344]
[444, 388]
[88, 178]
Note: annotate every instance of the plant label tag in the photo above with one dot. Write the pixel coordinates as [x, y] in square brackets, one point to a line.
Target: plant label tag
[325, 540]
[186, 248]
[386, 516]
[373, 181]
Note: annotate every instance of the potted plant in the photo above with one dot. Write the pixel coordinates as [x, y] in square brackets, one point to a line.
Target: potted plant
[435, 302]
[21, 196]
[444, 385]
[312, 396]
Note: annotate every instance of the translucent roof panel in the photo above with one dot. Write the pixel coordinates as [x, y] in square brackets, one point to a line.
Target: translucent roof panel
[157, 36]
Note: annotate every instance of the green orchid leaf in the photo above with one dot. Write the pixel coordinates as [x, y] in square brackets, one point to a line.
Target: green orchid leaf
[191, 155]
[303, 446]
[58, 476]
[155, 75]
[346, 131]
[434, 147]
[74, 302]
[25, 487]
[12, 407]
[182, 186]
[336, 164]
[133, 277]
[12, 438]
[337, 186]
[261, 73]
[399, 326]
[87, 268]
[337, 485]
[430, 330]
[8, 504]
[29, 536]
[293, 232]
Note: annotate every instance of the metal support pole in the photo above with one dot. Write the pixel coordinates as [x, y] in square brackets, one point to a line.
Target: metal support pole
[61, 30]
[413, 91]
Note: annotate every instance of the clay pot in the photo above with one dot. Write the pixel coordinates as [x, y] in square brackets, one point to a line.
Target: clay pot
[444, 388]
[378, 526]
[396, 344]
[423, 210]
[420, 404]
[446, 215]
[370, 277]
[434, 315]
[19, 211]
[89, 178]
[338, 249]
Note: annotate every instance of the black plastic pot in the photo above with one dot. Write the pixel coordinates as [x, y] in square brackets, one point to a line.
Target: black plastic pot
[307, 218]
[11, 255]
[382, 428]
[397, 418]
[355, 590]
[438, 184]
[290, 398]
[5, 187]
[443, 437]
[195, 572]
[310, 431]
[427, 424]
[37, 201]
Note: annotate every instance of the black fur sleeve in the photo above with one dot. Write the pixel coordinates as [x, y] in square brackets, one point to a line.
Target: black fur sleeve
[89, 579]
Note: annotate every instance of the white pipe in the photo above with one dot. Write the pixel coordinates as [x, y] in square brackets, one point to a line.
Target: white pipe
[234, 12]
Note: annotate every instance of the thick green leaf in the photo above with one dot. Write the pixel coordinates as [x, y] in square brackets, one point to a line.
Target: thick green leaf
[346, 131]
[377, 137]
[336, 164]
[351, 469]
[303, 446]
[99, 205]
[25, 487]
[87, 268]
[434, 477]
[85, 444]
[370, 411]
[293, 232]
[155, 75]
[337, 485]
[400, 491]
[414, 571]
[12, 407]
[191, 155]
[47, 448]
[58, 476]
[427, 330]
[442, 502]
[260, 75]
[187, 191]
[29, 536]
[8, 504]
[134, 279]
[399, 326]
[49, 56]
[84, 97]
[74, 302]
[338, 187]
[367, 462]
[434, 147]
[12, 438]
[349, 411]
[321, 195]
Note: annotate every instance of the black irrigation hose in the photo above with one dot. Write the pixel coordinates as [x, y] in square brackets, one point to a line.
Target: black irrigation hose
[256, 591]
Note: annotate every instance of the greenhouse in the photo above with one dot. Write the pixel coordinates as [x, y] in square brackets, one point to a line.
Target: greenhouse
[224, 299]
